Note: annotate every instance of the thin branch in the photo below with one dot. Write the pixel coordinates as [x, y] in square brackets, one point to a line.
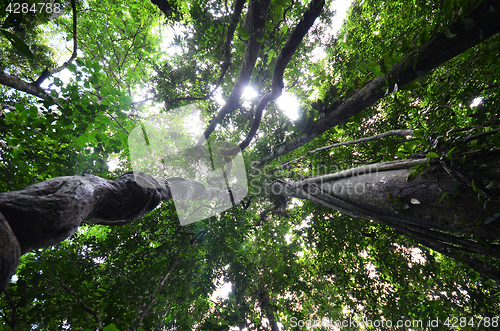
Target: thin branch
[84, 306]
[21, 85]
[370, 168]
[482, 134]
[73, 56]
[235, 18]
[6, 106]
[117, 122]
[147, 306]
[402, 133]
[34, 88]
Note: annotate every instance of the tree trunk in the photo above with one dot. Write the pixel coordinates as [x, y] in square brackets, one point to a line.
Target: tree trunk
[267, 308]
[49, 212]
[451, 207]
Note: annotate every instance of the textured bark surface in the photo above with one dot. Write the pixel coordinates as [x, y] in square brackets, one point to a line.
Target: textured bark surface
[439, 208]
[46, 213]
[384, 192]
[10, 251]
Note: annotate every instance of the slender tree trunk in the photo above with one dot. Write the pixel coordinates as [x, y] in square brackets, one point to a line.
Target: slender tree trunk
[267, 308]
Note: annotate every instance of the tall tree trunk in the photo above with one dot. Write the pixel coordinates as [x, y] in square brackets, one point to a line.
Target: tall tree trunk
[48, 212]
[451, 207]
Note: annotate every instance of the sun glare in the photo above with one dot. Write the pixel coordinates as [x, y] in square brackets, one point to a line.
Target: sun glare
[289, 104]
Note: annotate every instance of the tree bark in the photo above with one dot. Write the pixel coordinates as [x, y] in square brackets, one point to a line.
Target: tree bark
[49, 212]
[438, 207]
[267, 308]
[10, 252]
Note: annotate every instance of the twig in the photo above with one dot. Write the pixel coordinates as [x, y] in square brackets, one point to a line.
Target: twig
[80, 301]
[147, 306]
[403, 133]
[47, 73]
[482, 134]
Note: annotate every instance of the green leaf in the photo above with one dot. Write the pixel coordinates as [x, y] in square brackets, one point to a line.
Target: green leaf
[432, 155]
[110, 327]
[419, 132]
[243, 33]
[100, 137]
[72, 67]
[443, 196]
[448, 33]
[19, 107]
[417, 167]
[491, 218]
[18, 43]
[401, 155]
[284, 29]
[450, 153]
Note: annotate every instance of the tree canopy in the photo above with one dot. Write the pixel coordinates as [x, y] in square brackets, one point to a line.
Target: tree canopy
[376, 206]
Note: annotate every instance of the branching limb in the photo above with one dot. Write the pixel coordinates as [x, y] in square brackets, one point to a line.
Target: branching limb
[80, 301]
[482, 134]
[431, 55]
[284, 58]
[254, 23]
[403, 133]
[262, 216]
[34, 88]
[47, 73]
[235, 18]
[21, 85]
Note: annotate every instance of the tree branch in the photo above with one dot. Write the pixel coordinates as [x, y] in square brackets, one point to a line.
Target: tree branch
[6, 106]
[254, 23]
[284, 58]
[235, 18]
[21, 85]
[84, 306]
[34, 88]
[147, 306]
[267, 308]
[47, 73]
[390, 133]
[482, 134]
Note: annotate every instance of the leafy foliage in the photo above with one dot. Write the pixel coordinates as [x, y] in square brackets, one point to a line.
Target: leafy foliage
[309, 261]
